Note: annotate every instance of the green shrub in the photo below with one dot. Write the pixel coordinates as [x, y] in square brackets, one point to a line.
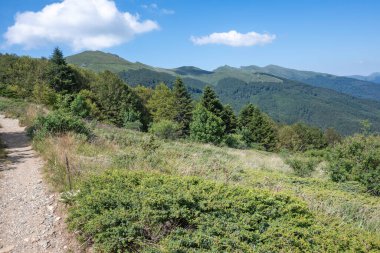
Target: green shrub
[57, 122]
[147, 212]
[357, 158]
[302, 166]
[235, 141]
[80, 107]
[166, 129]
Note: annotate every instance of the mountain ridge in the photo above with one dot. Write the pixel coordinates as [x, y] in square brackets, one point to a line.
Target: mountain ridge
[287, 101]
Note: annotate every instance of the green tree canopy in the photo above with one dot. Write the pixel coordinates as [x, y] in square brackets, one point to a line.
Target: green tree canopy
[161, 104]
[57, 57]
[117, 99]
[206, 127]
[229, 118]
[183, 105]
[257, 127]
[210, 101]
[61, 77]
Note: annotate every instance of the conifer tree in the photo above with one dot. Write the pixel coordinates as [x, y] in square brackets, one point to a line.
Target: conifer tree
[183, 105]
[211, 102]
[206, 127]
[57, 57]
[229, 118]
[257, 127]
[61, 77]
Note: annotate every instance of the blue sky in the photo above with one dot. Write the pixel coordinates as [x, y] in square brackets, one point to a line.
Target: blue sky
[332, 36]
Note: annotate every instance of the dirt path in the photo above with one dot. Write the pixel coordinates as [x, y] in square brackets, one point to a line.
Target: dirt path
[29, 220]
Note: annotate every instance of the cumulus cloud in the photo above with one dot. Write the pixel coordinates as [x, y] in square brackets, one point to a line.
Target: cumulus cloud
[81, 24]
[234, 39]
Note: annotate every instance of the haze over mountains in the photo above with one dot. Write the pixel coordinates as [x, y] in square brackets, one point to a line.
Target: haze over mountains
[287, 95]
[374, 77]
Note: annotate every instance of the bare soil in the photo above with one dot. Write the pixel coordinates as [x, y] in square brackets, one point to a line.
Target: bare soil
[30, 215]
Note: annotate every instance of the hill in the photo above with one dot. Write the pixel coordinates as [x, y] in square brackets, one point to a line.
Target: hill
[272, 88]
[374, 77]
[347, 85]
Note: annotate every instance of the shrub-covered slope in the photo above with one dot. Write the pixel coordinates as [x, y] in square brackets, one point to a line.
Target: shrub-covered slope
[145, 212]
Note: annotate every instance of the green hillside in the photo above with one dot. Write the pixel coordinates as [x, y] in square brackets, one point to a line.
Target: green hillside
[270, 87]
[347, 85]
[99, 61]
[291, 101]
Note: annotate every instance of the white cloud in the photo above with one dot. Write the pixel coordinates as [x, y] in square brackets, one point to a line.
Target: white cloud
[155, 8]
[81, 24]
[235, 39]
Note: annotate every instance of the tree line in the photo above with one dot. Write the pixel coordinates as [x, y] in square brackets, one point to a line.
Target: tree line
[166, 112]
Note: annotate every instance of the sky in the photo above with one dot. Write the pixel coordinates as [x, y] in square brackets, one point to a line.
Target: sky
[340, 37]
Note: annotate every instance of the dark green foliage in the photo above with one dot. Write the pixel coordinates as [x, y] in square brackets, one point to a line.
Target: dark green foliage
[302, 166]
[301, 137]
[166, 129]
[57, 57]
[211, 102]
[229, 118]
[183, 106]
[146, 212]
[61, 77]
[290, 102]
[257, 128]
[357, 158]
[115, 98]
[57, 122]
[206, 126]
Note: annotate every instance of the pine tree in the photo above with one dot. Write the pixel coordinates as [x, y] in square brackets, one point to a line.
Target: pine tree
[183, 106]
[61, 77]
[229, 118]
[257, 127]
[161, 105]
[211, 102]
[57, 57]
[206, 127]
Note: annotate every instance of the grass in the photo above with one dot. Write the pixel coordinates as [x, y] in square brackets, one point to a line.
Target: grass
[115, 148]
[345, 204]
[23, 110]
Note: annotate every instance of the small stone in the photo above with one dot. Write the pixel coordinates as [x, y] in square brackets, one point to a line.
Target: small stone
[57, 219]
[26, 240]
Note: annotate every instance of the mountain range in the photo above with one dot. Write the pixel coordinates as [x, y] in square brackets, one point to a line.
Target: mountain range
[374, 77]
[287, 95]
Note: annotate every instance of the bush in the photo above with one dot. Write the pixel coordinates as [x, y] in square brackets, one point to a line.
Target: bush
[302, 166]
[146, 212]
[235, 141]
[300, 137]
[57, 122]
[166, 129]
[80, 107]
[357, 158]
